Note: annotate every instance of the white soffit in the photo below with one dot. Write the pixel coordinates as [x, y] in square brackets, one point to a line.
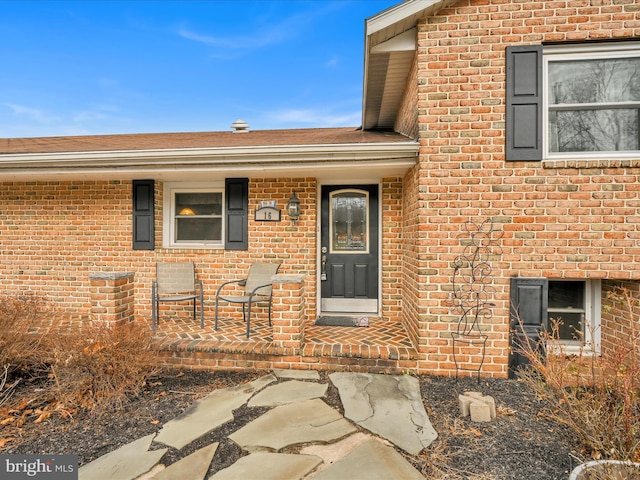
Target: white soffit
[390, 45]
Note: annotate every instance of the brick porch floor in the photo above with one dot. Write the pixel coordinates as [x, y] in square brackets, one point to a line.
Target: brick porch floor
[382, 346]
[381, 339]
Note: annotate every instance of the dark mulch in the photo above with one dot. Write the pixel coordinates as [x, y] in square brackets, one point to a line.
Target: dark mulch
[519, 444]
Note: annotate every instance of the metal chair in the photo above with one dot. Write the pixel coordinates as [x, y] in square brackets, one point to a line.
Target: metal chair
[257, 289]
[176, 282]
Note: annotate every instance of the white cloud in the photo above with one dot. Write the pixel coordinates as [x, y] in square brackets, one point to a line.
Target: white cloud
[30, 113]
[332, 63]
[273, 34]
[315, 117]
[99, 112]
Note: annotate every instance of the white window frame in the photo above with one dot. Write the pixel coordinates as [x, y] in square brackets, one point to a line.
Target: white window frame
[584, 52]
[169, 213]
[592, 320]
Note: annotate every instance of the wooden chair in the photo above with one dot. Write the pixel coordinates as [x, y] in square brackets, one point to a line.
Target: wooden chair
[176, 282]
[257, 289]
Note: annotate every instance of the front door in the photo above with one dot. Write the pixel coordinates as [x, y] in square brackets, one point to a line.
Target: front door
[349, 248]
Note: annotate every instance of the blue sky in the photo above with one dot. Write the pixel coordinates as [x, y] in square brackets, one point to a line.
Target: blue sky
[101, 67]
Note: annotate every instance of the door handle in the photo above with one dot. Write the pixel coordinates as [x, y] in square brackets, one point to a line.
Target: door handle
[323, 264]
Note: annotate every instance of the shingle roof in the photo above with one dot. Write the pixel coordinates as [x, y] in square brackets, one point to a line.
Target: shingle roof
[168, 141]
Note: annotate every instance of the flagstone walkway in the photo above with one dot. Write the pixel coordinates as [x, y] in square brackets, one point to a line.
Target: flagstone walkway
[326, 445]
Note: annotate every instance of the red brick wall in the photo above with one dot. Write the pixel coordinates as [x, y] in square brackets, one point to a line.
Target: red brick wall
[53, 235]
[407, 119]
[391, 268]
[620, 320]
[560, 219]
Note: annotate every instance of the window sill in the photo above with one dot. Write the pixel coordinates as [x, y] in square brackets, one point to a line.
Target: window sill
[591, 163]
[571, 349]
[194, 246]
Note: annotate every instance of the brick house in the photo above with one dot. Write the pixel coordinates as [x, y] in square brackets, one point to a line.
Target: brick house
[521, 115]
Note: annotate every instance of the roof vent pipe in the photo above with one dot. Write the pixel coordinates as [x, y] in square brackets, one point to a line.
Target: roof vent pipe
[240, 126]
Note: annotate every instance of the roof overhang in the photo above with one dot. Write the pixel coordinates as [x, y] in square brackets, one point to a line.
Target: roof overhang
[325, 162]
[390, 46]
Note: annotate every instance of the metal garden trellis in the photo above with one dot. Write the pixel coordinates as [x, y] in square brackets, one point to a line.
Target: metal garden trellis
[472, 290]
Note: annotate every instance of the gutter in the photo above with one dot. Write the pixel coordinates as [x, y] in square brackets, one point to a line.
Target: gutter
[214, 156]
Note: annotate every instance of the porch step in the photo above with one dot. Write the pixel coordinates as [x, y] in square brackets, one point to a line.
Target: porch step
[215, 355]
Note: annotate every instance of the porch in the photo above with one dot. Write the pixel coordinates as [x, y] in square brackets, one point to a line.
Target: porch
[383, 346]
[292, 341]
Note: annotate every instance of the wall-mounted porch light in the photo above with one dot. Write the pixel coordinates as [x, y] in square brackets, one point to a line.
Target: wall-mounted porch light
[293, 207]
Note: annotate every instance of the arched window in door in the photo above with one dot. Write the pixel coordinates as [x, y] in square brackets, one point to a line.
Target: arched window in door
[349, 221]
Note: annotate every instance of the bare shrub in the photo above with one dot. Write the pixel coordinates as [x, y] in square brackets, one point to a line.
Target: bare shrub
[596, 396]
[100, 368]
[21, 349]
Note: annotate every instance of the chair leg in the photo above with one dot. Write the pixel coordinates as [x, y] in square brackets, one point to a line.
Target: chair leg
[248, 317]
[153, 308]
[269, 312]
[215, 323]
[201, 309]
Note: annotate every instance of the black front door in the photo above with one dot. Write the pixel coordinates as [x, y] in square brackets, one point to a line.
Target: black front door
[349, 248]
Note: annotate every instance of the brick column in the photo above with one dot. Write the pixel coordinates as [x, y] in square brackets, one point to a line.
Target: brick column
[112, 297]
[288, 314]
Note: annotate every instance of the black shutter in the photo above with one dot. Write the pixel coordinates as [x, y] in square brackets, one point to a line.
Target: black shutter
[528, 317]
[143, 219]
[237, 214]
[524, 103]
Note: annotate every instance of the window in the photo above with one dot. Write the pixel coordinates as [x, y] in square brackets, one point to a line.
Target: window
[194, 215]
[567, 308]
[592, 99]
[348, 221]
[206, 214]
[565, 101]
[197, 216]
[536, 302]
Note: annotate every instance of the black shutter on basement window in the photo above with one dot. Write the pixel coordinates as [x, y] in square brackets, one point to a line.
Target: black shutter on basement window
[143, 219]
[528, 317]
[237, 214]
[524, 103]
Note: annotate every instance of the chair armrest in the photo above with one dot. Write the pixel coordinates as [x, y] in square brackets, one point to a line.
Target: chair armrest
[228, 283]
[253, 292]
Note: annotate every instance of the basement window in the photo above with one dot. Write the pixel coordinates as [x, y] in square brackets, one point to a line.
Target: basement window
[575, 306]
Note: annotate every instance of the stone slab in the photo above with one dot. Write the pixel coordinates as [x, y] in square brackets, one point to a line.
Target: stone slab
[126, 463]
[389, 406]
[296, 374]
[332, 452]
[269, 466]
[192, 467]
[288, 392]
[208, 413]
[293, 424]
[373, 461]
